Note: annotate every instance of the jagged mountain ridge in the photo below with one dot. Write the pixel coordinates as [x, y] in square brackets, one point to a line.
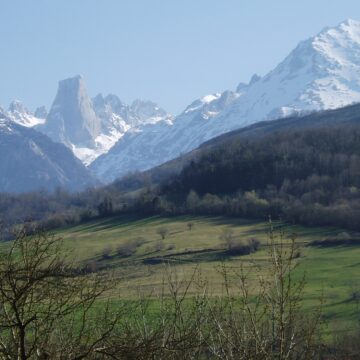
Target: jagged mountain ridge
[30, 161]
[18, 113]
[321, 73]
[72, 119]
[90, 127]
[152, 144]
[348, 116]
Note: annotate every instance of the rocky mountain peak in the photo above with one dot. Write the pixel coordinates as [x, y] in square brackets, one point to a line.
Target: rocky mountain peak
[18, 113]
[17, 106]
[41, 112]
[321, 73]
[72, 119]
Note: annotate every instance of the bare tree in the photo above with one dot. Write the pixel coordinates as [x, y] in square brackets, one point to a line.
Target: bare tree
[49, 309]
[129, 247]
[47, 305]
[263, 318]
[227, 237]
[163, 232]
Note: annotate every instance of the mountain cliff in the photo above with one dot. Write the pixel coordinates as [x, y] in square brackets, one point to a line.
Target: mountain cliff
[90, 127]
[72, 119]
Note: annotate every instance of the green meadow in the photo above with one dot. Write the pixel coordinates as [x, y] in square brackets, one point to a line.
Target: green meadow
[332, 274]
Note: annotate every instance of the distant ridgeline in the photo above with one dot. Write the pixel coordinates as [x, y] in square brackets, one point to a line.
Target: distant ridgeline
[113, 138]
[302, 169]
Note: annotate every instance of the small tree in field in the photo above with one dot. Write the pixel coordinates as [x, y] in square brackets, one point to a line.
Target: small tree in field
[190, 225]
[163, 232]
[227, 236]
[106, 252]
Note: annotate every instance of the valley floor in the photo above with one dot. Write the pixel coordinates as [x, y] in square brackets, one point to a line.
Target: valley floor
[134, 250]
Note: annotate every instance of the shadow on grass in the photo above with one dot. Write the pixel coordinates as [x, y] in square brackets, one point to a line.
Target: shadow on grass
[102, 224]
[329, 243]
[193, 256]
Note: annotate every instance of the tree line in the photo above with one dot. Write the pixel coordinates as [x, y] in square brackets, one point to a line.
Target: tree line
[308, 176]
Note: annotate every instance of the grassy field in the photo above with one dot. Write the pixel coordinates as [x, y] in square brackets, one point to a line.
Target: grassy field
[332, 273]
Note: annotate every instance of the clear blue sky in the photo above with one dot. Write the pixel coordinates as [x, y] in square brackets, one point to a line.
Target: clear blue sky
[167, 51]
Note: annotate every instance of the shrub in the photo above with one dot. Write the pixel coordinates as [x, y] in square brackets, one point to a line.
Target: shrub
[159, 246]
[227, 236]
[140, 241]
[254, 243]
[126, 249]
[129, 248]
[106, 253]
[91, 267]
[243, 247]
[171, 247]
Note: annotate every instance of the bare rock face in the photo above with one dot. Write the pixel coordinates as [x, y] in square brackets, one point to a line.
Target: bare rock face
[72, 119]
[41, 112]
[90, 127]
[140, 112]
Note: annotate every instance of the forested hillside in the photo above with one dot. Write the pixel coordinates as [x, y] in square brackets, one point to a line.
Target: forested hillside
[309, 176]
[304, 170]
[346, 116]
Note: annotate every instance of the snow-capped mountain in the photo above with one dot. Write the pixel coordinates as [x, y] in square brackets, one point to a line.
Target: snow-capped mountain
[152, 144]
[114, 138]
[72, 119]
[30, 161]
[18, 113]
[117, 118]
[322, 72]
[90, 127]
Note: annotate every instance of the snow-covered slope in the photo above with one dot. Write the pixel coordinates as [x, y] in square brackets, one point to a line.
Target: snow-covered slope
[18, 113]
[322, 72]
[117, 118]
[151, 144]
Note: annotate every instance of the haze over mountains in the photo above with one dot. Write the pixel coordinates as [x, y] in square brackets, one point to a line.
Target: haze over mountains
[31, 161]
[113, 138]
[89, 127]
